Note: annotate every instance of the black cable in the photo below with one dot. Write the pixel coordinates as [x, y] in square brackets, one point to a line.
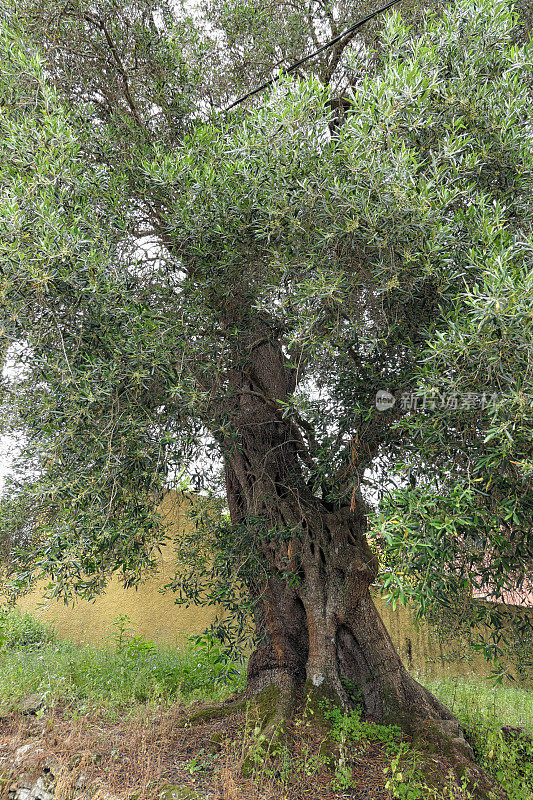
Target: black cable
[312, 55]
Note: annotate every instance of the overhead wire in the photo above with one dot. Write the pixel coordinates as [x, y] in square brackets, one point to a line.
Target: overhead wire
[308, 57]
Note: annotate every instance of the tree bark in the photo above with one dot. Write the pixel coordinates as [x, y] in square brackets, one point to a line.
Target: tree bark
[322, 635]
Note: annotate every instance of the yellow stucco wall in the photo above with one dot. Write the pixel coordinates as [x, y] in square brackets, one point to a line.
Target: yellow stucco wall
[152, 614]
[423, 651]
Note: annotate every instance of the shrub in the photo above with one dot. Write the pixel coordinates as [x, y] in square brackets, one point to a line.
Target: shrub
[23, 630]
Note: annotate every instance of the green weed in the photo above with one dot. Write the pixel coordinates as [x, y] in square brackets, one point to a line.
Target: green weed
[404, 777]
[347, 729]
[128, 669]
[222, 668]
[201, 762]
[352, 728]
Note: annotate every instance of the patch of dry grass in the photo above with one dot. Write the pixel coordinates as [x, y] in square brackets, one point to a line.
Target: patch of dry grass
[132, 757]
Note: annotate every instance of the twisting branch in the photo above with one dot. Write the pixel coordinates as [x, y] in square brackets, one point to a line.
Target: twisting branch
[99, 23]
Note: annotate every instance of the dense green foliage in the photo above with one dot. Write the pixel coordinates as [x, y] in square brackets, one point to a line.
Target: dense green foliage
[392, 252]
[23, 630]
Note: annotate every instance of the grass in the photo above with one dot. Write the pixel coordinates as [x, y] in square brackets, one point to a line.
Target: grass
[482, 708]
[130, 669]
[473, 699]
[131, 678]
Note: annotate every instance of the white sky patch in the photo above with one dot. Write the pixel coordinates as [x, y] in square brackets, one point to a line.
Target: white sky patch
[13, 371]
[9, 449]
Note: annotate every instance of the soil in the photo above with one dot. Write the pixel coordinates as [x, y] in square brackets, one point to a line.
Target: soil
[135, 754]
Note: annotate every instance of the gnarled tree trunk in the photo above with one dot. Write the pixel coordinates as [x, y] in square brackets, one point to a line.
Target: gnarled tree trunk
[323, 637]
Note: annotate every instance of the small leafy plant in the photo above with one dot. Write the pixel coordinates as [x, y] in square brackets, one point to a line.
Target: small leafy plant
[353, 728]
[404, 779]
[221, 666]
[201, 762]
[23, 630]
[347, 728]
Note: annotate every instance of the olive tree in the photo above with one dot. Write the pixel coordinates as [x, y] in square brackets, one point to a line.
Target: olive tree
[240, 291]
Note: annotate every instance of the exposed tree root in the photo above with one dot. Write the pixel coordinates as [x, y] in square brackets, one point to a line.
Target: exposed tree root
[273, 708]
[214, 712]
[432, 729]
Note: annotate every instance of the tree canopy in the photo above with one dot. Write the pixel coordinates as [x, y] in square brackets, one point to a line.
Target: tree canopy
[168, 279]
